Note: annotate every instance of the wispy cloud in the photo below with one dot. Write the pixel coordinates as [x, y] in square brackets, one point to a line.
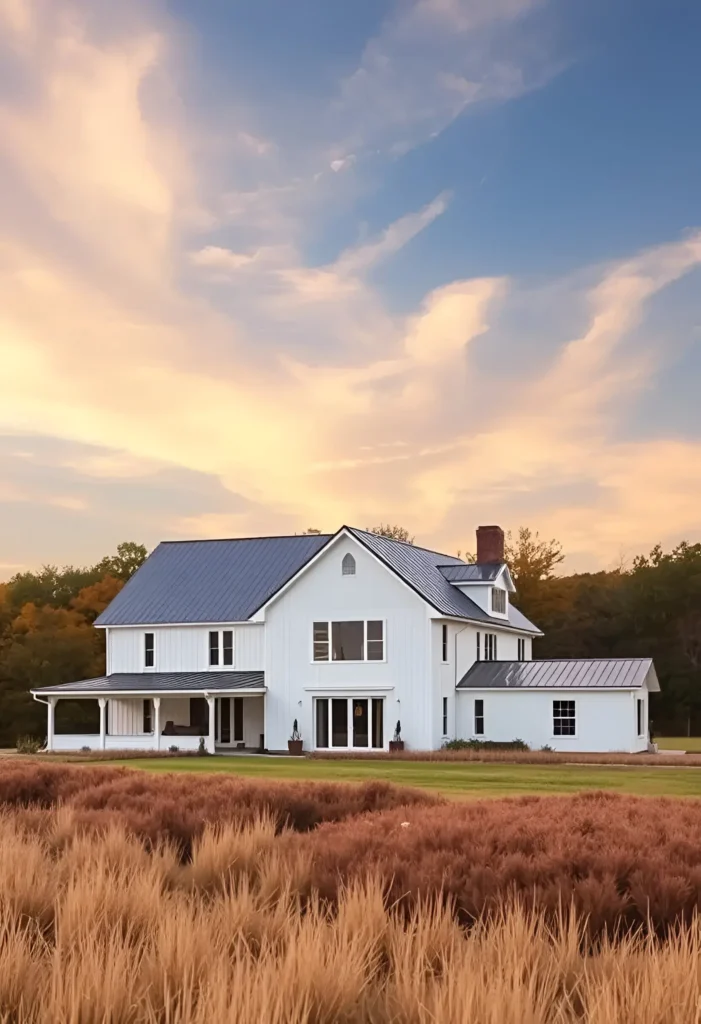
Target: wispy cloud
[294, 394]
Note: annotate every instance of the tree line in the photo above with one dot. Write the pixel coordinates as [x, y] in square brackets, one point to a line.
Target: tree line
[651, 608]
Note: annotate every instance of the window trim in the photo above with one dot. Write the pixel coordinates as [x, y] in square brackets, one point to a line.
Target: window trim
[348, 565]
[640, 716]
[491, 647]
[444, 644]
[151, 650]
[498, 611]
[569, 735]
[445, 716]
[221, 665]
[475, 716]
[521, 648]
[358, 661]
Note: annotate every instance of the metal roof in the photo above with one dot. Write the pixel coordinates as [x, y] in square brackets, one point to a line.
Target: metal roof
[209, 580]
[471, 573]
[574, 674]
[213, 581]
[155, 682]
[422, 570]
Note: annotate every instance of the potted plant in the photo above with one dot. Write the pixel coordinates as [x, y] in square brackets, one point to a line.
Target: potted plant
[397, 743]
[295, 742]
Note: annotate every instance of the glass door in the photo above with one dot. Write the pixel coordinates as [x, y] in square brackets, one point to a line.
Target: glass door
[349, 723]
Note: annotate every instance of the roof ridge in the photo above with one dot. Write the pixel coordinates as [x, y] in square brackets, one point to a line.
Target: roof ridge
[228, 540]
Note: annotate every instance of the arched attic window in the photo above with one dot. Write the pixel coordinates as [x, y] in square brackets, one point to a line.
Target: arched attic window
[348, 565]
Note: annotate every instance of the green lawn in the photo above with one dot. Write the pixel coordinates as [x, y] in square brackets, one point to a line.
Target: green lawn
[448, 778]
[690, 743]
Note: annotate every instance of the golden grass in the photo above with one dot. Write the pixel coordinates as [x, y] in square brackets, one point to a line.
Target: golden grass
[95, 927]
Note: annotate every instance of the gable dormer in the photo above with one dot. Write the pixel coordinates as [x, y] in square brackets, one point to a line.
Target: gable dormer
[487, 581]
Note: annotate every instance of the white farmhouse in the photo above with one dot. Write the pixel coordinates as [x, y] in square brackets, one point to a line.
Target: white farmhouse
[346, 634]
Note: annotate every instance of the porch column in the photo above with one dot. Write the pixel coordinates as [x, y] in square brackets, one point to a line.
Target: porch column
[50, 708]
[212, 710]
[102, 701]
[157, 721]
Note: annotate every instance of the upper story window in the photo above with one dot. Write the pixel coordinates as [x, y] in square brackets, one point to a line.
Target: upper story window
[360, 640]
[221, 647]
[490, 647]
[521, 644]
[498, 601]
[348, 565]
[149, 650]
[444, 642]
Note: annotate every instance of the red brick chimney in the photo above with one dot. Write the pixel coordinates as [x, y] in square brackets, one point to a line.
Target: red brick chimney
[490, 544]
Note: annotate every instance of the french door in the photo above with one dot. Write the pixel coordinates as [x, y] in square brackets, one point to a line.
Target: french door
[229, 721]
[349, 723]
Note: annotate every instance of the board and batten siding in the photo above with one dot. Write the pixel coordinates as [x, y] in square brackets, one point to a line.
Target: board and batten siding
[182, 648]
[606, 721]
[322, 593]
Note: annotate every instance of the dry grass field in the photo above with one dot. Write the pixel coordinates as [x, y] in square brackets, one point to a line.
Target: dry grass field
[127, 897]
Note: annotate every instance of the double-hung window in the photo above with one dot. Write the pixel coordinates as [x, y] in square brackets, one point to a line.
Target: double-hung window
[479, 717]
[356, 640]
[521, 649]
[498, 601]
[221, 647]
[640, 716]
[444, 642]
[149, 650]
[445, 716]
[490, 646]
[148, 716]
[564, 720]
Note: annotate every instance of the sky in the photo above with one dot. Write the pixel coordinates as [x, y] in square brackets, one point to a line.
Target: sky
[269, 265]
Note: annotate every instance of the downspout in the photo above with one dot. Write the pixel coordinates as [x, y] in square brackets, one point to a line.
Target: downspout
[47, 703]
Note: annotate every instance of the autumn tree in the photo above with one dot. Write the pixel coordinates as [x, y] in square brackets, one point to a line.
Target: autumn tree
[392, 532]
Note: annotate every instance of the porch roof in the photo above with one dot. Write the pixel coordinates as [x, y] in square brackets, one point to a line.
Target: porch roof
[160, 682]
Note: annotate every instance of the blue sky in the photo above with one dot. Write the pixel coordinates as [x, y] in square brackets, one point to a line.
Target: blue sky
[271, 265]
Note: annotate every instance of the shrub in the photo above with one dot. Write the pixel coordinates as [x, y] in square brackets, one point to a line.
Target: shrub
[28, 745]
[485, 745]
[173, 749]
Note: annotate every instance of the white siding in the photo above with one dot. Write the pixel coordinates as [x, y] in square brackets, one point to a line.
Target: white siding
[323, 593]
[605, 720]
[183, 648]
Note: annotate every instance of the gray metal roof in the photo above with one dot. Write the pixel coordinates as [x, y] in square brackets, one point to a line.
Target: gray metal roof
[471, 573]
[209, 580]
[213, 581]
[421, 569]
[575, 674]
[155, 682]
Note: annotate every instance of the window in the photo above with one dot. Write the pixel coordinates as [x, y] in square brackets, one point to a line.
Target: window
[349, 641]
[563, 718]
[148, 650]
[199, 714]
[148, 717]
[478, 648]
[445, 716]
[479, 717]
[490, 647]
[354, 723]
[221, 647]
[498, 600]
[521, 649]
[640, 708]
[444, 641]
[348, 565]
[238, 719]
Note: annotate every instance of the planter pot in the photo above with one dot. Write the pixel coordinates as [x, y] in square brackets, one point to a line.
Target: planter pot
[295, 747]
[396, 745]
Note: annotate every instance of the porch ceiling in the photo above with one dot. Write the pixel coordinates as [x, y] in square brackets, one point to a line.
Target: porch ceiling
[160, 682]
